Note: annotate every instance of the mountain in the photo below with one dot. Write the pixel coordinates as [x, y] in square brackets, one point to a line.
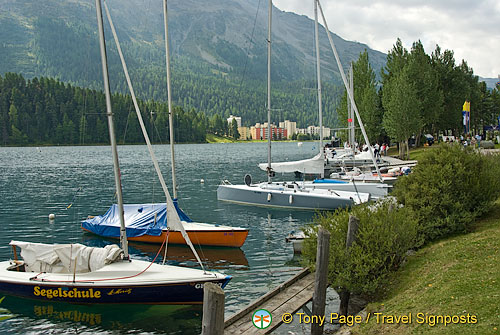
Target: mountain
[217, 45]
[491, 83]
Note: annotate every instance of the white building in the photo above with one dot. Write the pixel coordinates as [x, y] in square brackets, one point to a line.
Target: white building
[314, 130]
[291, 127]
[231, 117]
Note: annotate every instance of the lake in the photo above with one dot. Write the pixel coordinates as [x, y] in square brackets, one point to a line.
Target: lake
[37, 181]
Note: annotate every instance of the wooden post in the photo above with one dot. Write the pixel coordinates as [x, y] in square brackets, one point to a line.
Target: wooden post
[352, 230]
[321, 278]
[344, 294]
[213, 310]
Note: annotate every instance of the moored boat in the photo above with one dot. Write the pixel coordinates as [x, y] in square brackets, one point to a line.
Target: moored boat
[148, 223]
[289, 195]
[70, 273]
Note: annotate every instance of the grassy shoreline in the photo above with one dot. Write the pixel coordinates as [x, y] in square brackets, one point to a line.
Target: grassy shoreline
[456, 276]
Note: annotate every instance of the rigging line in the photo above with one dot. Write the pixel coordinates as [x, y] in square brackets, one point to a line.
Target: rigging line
[172, 214]
[126, 126]
[250, 44]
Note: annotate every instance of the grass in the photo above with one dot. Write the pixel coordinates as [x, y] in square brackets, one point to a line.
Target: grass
[415, 153]
[455, 276]
[212, 138]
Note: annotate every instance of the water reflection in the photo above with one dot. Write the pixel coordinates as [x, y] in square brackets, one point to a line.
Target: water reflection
[38, 315]
[212, 257]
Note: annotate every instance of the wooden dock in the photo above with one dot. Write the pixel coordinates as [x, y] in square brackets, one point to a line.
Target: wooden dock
[288, 297]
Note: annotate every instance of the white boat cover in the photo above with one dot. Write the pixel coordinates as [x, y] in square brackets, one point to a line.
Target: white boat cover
[315, 165]
[62, 258]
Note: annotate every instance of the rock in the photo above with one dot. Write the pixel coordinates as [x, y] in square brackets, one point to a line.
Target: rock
[487, 145]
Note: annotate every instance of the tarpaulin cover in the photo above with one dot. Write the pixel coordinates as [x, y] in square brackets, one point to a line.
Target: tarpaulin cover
[315, 165]
[66, 258]
[140, 219]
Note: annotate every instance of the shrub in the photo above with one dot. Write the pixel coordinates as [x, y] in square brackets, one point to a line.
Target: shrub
[382, 241]
[448, 189]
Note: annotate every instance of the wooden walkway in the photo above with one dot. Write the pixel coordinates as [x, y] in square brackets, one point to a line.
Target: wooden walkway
[289, 297]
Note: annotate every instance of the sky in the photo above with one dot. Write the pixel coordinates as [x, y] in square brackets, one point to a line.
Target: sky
[465, 26]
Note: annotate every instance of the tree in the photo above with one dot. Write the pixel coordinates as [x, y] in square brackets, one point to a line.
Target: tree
[402, 118]
[365, 97]
[425, 83]
[234, 129]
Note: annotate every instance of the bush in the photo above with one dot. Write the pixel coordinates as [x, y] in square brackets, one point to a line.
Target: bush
[448, 189]
[383, 239]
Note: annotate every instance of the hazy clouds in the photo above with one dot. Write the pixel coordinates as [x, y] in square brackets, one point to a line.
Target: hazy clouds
[470, 28]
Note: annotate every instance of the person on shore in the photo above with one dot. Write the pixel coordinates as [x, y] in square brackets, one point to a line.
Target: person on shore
[377, 150]
[473, 142]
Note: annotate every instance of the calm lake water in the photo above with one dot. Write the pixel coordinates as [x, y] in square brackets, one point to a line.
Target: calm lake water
[37, 181]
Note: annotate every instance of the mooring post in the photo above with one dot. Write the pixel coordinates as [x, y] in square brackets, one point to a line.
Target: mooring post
[213, 310]
[352, 231]
[321, 278]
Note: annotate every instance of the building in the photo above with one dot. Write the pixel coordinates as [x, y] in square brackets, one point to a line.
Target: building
[291, 127]
[314, 130]
[244, 133]
[230, 120]
[259, 132]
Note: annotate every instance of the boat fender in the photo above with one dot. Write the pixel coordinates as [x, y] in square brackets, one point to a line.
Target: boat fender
[269, 197]
[290, 200]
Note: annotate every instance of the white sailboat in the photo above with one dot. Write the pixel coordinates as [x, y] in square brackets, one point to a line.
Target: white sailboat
[287, 195]
[150, 223]
[318, 164]
[78, 274]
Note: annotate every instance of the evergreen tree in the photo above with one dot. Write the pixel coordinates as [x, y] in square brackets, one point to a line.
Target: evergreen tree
[402, 118]
[365, 97]
[234, 129]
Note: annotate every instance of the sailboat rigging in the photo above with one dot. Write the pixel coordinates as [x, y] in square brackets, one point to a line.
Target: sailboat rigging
[147, 222]
[79, 274]
[288, 194]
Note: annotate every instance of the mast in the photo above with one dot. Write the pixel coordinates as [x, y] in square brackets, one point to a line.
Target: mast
[109, 112]
[349, 94]
[320, 107]
[169, 99]
[352, 134]
[269, 170]
[173, 220]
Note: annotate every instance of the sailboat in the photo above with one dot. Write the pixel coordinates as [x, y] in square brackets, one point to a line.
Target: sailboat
[78, 274]
[321, 162]
[149, 222]
[285, 194]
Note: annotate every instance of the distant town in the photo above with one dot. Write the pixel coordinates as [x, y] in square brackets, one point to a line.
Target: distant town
[286, 130]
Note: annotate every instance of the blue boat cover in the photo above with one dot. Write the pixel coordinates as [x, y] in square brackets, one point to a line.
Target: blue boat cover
[329, 181]
[140, 220]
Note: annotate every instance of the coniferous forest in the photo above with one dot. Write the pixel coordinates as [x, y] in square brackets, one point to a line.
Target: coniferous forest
[47, 111]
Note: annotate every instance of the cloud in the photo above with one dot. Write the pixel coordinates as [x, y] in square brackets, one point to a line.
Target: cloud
[469, 28]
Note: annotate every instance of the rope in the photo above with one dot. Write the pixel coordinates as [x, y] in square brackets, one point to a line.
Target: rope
[104, 279]
[251, 40]
[74, 197]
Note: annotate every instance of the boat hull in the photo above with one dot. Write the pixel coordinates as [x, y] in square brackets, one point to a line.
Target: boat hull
[254, 195]
[227, 238]
[97, 291]
[376, 190]
[175, 294]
